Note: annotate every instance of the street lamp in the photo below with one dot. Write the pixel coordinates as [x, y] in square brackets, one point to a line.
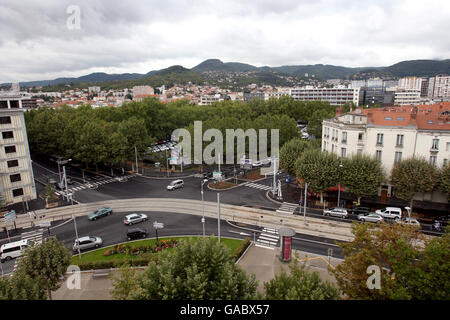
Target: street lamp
[65, 178]
[203, 207]
[339, 185]
[408, 209]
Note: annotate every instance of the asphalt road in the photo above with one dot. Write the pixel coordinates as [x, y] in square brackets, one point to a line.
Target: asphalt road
[112, 230]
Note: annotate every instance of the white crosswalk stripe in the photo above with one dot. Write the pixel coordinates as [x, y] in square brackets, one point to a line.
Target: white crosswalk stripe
[257, 186]
[268, 238]
[99, 181]
[288, 208]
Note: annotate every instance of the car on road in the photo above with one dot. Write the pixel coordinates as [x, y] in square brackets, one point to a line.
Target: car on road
[371, 217]
[390, 213]
[257, 164]
[102, 212]
[440, 223]
[359, 210]
[135, 218]
[136, 233]
[176, 184]
[336, 212]
[87, 242]
[14, 249]
[412, 221]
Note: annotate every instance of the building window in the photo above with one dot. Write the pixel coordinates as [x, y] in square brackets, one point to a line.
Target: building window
[8, 134]
[10, 149]
[435, 144]
[380, 139]
[344, 137]
[17, 192]
[5, 120]
[399, 140]
[398, 157]
[378, 155]
[13, 163]
[15, 178]
[343, 152]
[433, 160]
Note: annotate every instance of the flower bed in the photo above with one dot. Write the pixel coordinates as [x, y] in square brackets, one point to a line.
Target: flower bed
[138, 250]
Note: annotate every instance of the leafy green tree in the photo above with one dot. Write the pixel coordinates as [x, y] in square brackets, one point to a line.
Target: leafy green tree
[20, 286]
[124, 284]
[444, 180]
[300, 284]
[319, 169]
[50, 191]
[45, 264]
[411, 176]
[362, 175]
[410, 266]
[290, 152]
[197, 270]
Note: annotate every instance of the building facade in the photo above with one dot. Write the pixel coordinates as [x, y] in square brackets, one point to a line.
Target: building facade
[143, 90]
[16, 173]
[335, 96]
[391, 134]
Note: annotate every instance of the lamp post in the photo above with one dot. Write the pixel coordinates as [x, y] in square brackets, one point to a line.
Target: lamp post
[75, 225]
[65, 178]
[218, 212]
[203, 207]
[304, 208]
[339, 185]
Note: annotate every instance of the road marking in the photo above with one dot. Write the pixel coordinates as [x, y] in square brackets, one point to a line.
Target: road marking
[329, 244]
[257, 186]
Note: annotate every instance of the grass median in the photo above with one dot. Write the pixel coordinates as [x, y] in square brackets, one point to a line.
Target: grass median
[98, 255]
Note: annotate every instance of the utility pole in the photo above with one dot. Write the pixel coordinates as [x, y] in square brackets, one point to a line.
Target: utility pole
[218, 218]
[274, 183]
[65, 183]
[135, 152]
[339, 185]
[167, 164]
[304, 208]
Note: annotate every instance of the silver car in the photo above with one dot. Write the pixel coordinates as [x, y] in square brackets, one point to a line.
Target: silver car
[371, 217]
[337, 212]
[135, 218]
[84, 243]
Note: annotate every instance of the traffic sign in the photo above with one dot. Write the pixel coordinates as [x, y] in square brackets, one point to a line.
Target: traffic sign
[158, 225]
[45, 224]
[10, 216]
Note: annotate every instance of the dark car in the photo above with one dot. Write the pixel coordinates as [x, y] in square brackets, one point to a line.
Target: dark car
[359, 210]
[136, 233]
[440, 223]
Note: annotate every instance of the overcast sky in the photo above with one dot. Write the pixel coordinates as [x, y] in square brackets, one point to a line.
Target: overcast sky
[36, 42]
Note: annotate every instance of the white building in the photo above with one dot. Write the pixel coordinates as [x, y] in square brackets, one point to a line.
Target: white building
[407, 97]
[392, 134]
[16, 173]
[335, 96]
[94, 89]
[143, 91]
[209, 99]
[410, 83]
[439, 87]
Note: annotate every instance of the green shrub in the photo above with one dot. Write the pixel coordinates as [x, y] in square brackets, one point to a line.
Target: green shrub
[240, 250]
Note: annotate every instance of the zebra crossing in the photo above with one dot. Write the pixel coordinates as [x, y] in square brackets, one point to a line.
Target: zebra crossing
[268, 238]
[94, 185]
[257, 186]
[36, 236]
[288, 208]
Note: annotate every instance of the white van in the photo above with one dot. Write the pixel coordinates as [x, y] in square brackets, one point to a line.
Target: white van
[390, 213]
[15, 249]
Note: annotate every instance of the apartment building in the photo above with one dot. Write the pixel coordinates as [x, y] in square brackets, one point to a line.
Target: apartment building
[16, 173]
[406, 96]
[391, 134]
[209, 99]
[143, 90]
[439, 87]
[337, 96]
[410, 83]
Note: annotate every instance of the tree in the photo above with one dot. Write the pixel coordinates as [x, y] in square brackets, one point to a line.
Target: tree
[411, 176]
[20, 287]
[319, 169]
[45, 264]
[410, 266]
[290, 152]
[197, 270]
[124, 284]
[50, 191]
[362, 175]
[444, 180]
[300, 284]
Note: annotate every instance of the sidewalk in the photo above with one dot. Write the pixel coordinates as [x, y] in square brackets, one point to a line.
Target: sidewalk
[263, 263]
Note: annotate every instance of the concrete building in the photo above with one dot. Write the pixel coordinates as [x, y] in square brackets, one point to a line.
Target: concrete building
[439, 87]
[16, 172]
[371, 96]
[404, 97]
[142, 90]
[209, 99]
[391, 135]
[410, 83]
[337, 96]
[94, 89]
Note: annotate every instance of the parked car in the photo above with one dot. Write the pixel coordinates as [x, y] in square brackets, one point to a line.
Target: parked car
[87, 242]
[359, 210]
[14, 249]
[176, 184]
[257, 164]
[102, 212]
[136, 233]
[440, 223]
[412, 221]
[390, 213]
[371, 217]
[135, 218]
[337, 212]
